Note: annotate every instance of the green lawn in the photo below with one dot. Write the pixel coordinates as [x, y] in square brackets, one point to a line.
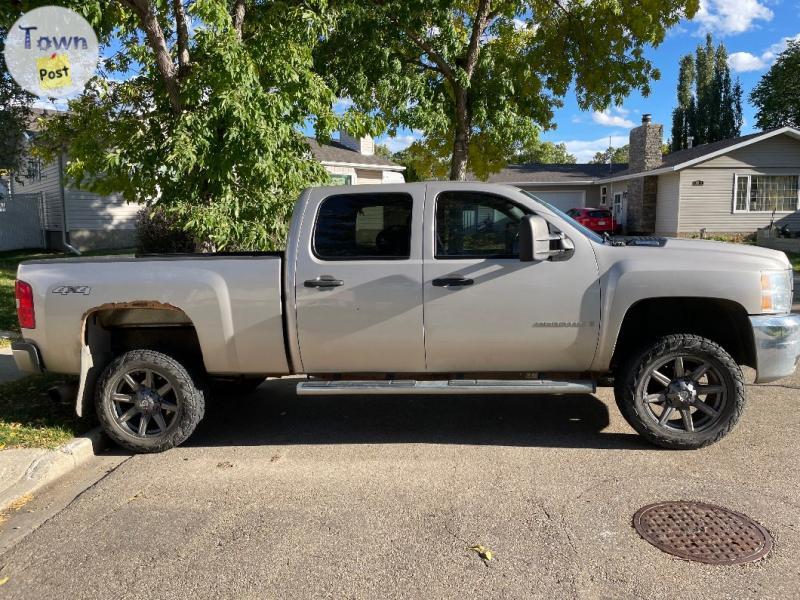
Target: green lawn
[28, 417]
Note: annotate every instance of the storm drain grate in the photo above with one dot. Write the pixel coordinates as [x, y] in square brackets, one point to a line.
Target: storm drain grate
[702, 532]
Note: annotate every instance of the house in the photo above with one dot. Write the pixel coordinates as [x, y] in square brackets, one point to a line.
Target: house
[352, 161]
[95, 221]
[730, 187]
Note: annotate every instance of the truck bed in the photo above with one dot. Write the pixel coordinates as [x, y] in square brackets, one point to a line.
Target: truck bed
[233, 300]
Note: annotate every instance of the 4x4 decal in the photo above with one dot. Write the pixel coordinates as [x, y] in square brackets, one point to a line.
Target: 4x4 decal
[72, 289]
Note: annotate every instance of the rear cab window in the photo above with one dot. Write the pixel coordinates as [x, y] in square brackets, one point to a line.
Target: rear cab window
[363, 227]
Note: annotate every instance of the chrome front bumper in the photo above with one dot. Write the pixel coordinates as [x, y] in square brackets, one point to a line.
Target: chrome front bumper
[777, 340]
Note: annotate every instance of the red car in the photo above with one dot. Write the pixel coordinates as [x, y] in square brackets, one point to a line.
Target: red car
[596, 219]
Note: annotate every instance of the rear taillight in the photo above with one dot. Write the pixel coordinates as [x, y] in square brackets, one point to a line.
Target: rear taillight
[25, 312]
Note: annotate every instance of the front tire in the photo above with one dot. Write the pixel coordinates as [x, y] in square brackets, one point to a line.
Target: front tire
[683, 392]
[147, 401]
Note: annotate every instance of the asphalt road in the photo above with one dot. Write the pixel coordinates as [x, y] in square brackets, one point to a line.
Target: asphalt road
[285, 497]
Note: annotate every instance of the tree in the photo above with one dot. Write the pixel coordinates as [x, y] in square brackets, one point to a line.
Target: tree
[546, 153]
[612, 155]
[15, 117]
[684, 115]
[777, 95]
[483, 76]
[709, 102]
[205, 122]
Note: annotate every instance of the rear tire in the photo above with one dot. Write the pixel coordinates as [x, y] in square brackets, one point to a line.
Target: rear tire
[683, 392]
[147, 401]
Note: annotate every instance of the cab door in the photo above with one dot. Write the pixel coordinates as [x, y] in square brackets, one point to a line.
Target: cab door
[358, 280]
[487, 311]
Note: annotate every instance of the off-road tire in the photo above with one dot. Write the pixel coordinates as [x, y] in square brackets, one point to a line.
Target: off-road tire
[189, 390]
[633, 410]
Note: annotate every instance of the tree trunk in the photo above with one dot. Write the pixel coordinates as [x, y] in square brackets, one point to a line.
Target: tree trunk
[237, 15]
[458, 164]
[155, 37]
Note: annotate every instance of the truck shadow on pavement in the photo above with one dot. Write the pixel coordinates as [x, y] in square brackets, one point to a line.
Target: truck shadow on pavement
[275, 415]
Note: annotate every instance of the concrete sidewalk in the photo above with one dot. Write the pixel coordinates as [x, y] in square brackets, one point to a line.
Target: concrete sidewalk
[25, 470]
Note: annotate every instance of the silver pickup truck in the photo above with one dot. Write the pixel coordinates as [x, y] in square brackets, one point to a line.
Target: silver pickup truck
[429, 288]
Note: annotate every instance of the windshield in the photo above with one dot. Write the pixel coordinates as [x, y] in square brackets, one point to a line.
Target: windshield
[584, 230]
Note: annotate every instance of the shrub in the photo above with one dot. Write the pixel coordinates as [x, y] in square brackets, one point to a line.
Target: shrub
[158, 232]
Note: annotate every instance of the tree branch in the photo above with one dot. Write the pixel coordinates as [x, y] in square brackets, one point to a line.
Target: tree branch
[158, 44]
[182, 33]
[429, 50]
[478, 27]
[237, 14]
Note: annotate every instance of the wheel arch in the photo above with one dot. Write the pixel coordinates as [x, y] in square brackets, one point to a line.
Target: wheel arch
[720, 320]
[110, 329]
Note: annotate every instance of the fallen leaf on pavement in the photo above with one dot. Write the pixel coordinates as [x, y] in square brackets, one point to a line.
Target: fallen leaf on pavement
[3, 580]
[484, 553]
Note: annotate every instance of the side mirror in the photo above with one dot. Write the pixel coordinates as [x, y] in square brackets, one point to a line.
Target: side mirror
[534, 239]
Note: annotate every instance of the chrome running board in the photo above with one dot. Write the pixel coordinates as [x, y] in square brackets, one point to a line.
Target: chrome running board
[316, 387]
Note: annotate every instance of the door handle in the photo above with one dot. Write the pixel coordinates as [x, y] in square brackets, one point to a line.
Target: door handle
[454, 281]
[323, 281]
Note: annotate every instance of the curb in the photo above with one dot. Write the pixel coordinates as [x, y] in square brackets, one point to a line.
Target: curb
[52, 465]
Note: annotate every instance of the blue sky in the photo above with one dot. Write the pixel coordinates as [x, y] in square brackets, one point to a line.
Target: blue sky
[754, 31]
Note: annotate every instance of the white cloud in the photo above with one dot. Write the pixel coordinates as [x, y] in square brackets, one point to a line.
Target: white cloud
[614, 117]
[584, 150]
[342, 104]
[731, 16]
[741, 62]
[399, 142]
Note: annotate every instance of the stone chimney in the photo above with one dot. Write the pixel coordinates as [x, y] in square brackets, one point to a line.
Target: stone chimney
[645, 145]
[364, 145]
[645, 155]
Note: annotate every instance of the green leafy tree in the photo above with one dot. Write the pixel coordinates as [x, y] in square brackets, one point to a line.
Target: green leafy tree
[546, 153]
[709, 102]
[612, 155]
[777, 95]
[482, 77]
[15, 117]
[205, 120]
[684, 114]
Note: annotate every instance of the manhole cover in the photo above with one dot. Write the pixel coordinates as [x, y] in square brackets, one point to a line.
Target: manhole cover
[702, 532]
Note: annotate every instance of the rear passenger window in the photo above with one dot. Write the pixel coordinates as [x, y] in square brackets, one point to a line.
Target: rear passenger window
[364, 227]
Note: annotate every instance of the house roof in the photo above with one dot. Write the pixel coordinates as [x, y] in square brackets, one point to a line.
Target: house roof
[675, 161]
[573, 174]
[338, 154]
[588, 174]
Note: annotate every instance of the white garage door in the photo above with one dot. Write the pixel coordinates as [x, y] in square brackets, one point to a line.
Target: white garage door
[563, 200]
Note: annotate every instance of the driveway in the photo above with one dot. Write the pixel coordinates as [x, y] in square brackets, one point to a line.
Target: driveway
[285, 497]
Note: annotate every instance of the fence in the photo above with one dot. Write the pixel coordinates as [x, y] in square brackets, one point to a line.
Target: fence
[21, 222]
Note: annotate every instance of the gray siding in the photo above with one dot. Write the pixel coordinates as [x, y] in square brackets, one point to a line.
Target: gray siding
[711, 204]
[668, 205]
[778, 152]
[47, 183]
[85, 210]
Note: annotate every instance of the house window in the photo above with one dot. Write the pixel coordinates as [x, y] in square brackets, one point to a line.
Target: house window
[766, 193]
[341, 179]
[34, 170]
[603, 195]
